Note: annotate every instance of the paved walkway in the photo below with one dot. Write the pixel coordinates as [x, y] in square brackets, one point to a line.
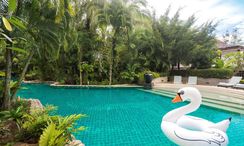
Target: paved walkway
[205, 90]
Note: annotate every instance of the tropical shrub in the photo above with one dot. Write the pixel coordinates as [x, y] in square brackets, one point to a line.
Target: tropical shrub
[52, 136]
[234, 60]
[37, 124]
[204, 73]
[34, 123]
[59, 131]
[32, 75]
[212, 73]
[128, 77]
[16, 113]
[218, 63]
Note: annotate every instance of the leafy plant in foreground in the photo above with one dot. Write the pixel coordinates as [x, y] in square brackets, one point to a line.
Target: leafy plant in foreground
[37, 123]
[52, 136]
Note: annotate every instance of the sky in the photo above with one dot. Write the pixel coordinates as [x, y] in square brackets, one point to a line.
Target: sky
[229, 13]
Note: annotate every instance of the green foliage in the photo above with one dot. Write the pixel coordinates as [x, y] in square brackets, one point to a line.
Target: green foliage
[34, 123]
[212, 73]
[52, 136]
[40, 119]
[242, 82]
[32, 75]
[12, 5]
[59, 132]
[18, 50]
[86, 68]
[234, 60]
[218, 63]
[128, 77]
[13, 115]
[16, 113]
[115, 34]
[205, 73]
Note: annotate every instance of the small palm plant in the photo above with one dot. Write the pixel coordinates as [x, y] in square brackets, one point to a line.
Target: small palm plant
[52, 136]
[59, 132]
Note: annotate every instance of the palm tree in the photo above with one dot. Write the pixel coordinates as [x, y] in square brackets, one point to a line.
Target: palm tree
[119, 14]
[43, 19]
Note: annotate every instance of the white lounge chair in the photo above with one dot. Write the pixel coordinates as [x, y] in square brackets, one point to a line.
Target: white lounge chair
[177, 80]
[233, 81]
[240, 86]
[192, 80]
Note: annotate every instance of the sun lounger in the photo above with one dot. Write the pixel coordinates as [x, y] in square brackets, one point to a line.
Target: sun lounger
[192, 80]
[240, 86]
[233, 81]
[177, 80]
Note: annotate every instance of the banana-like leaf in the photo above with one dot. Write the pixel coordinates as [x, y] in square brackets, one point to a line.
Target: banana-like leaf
[12, 5]
[47, 135]
[52, 137]
[18, 50]
[2, 74]
[7, 37]
[7, 24]
[17, 23]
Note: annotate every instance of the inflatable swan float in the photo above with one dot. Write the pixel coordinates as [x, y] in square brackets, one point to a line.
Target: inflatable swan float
[193, 131]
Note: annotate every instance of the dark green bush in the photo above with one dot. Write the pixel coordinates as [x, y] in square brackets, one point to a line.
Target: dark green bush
[242, 82]
[212, 73]
[128, 77]
[141, 76]
[205, 73]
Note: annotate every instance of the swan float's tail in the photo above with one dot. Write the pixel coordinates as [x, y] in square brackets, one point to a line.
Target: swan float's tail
[222, 125]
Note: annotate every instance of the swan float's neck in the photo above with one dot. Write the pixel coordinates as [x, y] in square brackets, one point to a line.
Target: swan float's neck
[174, 115]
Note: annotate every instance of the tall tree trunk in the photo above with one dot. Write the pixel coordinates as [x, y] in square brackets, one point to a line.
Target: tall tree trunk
[110, 72]
[178, 65]
[80, 78]
[22, 74]
[112, 61]
[128, 47]
[80, 60]
[7, 94]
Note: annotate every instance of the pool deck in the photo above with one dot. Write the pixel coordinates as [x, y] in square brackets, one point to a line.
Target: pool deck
[219, 97]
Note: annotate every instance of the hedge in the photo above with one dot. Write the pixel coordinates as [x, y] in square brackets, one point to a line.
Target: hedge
[205, 73]
[242, 82]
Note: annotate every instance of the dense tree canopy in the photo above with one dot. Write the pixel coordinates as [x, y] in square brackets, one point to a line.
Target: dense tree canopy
[97, 41]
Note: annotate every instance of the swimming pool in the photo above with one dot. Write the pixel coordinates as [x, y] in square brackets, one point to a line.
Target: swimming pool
[123, 116]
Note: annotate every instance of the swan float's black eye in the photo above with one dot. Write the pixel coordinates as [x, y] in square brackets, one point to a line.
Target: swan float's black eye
[181, 92]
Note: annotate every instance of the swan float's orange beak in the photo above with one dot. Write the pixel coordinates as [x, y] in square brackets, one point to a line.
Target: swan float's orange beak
[177, 99]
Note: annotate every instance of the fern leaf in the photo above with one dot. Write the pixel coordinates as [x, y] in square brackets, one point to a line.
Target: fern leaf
[47, 135]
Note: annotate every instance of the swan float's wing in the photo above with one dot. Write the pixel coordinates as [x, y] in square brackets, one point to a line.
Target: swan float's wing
[210, 137]
[194, 123]
[199, 124]
[185, 137]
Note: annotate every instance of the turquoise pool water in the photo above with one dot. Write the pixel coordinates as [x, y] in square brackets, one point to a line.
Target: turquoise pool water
[123, 116]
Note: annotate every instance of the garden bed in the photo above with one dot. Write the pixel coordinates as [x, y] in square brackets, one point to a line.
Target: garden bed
[28, 120]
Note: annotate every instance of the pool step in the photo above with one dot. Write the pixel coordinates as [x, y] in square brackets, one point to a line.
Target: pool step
[220, 103]
[224, 107]
[224, 103]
